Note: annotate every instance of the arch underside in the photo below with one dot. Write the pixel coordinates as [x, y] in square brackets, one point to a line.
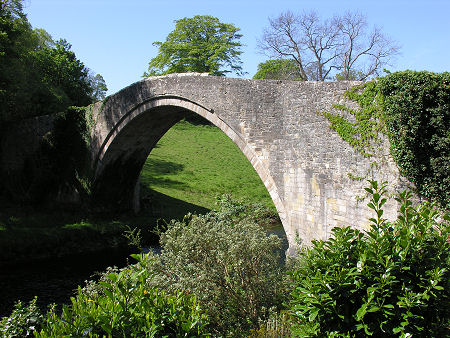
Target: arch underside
[126, 148]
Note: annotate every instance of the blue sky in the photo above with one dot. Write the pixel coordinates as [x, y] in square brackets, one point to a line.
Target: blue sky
[114, 37]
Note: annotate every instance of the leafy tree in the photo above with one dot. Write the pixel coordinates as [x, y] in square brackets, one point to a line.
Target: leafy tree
[38, 76]
[98, 85]
[15, 41]
[67, 74]
[279, 69]
[322, 48]
[200, 44]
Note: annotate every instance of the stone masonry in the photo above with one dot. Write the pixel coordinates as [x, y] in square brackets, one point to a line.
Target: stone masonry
[306, 167]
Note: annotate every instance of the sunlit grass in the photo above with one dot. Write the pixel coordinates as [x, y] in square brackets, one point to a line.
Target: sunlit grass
[197, 163]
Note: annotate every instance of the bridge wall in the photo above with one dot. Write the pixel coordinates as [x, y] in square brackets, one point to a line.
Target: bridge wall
[305, 166]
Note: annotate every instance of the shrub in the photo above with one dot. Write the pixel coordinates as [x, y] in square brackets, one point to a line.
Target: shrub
[228, 261]
[123, 305]
[392, 280]
[23, 321]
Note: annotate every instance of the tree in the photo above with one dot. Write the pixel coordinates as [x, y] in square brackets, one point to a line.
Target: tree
[279, 69]
[321, 49]
[199, 44]
[38, 76]
[98, 86]
[69, 74]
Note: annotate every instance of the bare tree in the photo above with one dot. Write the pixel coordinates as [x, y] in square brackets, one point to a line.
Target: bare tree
[321, 40]
[360, 53]
[338, 48]
[282, 38]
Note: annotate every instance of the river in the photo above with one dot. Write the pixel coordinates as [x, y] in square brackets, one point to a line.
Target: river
[52, 280]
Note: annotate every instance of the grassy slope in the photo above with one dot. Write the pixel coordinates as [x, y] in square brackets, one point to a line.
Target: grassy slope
[198, 163]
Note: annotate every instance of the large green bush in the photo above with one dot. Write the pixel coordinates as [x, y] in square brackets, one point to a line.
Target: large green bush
[227, 261]
[390, 281]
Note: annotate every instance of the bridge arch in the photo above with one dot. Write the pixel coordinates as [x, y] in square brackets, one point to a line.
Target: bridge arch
[125, 148]
[306, 167]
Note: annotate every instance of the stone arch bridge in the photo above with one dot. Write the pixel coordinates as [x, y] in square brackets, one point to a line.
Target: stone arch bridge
[306, 167]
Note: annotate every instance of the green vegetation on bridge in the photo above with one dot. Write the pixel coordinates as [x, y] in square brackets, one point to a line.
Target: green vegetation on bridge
[412, 109]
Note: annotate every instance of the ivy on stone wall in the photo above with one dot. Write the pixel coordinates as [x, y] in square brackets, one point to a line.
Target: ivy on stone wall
[362, 133]
[412, 109]
[59, 169]
[417, 110]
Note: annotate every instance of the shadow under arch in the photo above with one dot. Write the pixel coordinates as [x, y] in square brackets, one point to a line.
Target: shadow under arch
[125, 149]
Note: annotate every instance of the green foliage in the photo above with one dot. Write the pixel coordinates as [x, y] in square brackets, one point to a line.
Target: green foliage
[123, 305]
[200, 44]
[66, 75]
[227, 261]
[417, 109]
[412, 109]
[38, 76]
[390, 281]
[99, 88]
[279, 69]
[362, 132]
[23, 321]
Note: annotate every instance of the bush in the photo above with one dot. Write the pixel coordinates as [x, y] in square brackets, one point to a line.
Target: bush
[228, 261]
[123, 305]
[392, 280]
[23, 321]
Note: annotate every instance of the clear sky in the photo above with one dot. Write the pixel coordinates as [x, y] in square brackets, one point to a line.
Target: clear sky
[114, 37]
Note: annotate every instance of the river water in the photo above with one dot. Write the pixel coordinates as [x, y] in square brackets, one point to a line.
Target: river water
[52, 280]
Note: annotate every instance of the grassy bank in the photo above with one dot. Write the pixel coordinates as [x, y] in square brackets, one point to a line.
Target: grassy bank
[189, 168]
